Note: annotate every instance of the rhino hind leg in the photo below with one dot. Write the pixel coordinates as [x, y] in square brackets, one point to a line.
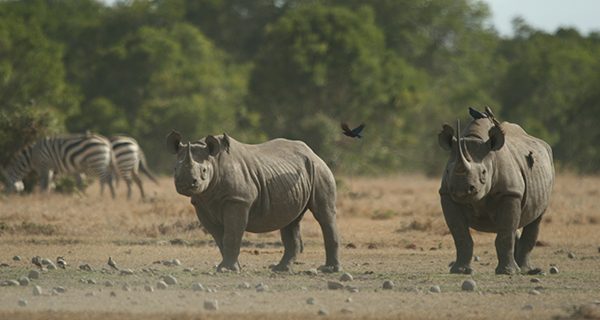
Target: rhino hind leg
[323, 208]
[292, 244]
[525, 245]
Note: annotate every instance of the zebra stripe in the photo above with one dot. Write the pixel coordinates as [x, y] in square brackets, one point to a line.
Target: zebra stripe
[130, 161]
[89, 153]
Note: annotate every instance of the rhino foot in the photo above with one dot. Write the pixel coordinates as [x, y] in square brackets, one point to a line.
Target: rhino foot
[508, 270]
[461, 269]
[223, 267]
[281, 267]
[330, 269]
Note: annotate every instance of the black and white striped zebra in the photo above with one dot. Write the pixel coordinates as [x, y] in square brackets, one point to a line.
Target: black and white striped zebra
[130, 162]
[90, 154]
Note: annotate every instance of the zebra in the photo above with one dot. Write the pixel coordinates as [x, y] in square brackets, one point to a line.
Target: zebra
[130, 161]
[88, 153]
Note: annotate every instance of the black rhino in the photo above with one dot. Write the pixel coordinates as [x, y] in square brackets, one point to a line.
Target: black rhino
[237, 187]
[498, 179]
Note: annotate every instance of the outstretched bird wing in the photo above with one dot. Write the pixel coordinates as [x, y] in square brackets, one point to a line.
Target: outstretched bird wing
[356, 131]
[346, 128]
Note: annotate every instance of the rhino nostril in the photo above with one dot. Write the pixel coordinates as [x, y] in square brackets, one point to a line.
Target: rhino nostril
[472, 189]
[194, 183]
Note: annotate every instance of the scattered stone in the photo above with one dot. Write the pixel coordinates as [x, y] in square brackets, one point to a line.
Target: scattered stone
[85, 267]
[33, 274]
[211, 305]
[535, 280]
[22, 302]
[346, 277]
[350, 246]
[9, 283]
[60, 289]
[571, 255]
[37, 291]
[347, 311]
[45, 261]
[197, 286]
[126, 287]
[553, 270]
[334, 285]
[113, 294]
[16, 258]
[170, 280]
[469, 285]
[311, 301]
[312, 272]
[51, 266]
[261, 287]
[534, 292]
[388, 285]
[349, 299]
[167, 263]
[126, 272]
[188, 269]
[352, 289]
[244, 285]
[175, 262]
[4, 264]
[90, 294]
[148, 288]
[108, 283]
[24, 281]
[91, 281]
[588, 311]
[476, 258]
[161, 285]
[323, 312]
[435, 289]
[527, 307]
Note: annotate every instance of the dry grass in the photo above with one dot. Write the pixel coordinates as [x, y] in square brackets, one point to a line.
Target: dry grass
[391, 228]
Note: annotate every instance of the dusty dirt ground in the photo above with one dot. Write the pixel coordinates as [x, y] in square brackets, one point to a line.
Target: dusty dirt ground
[392, 229]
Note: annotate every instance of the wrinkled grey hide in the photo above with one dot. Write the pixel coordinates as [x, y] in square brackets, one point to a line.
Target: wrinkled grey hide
[237, 187]
[498, 179]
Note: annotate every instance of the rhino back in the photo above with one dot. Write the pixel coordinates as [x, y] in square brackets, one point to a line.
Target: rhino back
[278, 176]
[528, 163]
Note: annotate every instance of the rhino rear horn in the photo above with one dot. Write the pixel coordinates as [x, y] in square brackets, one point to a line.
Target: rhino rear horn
[446, 137]
[174, 142]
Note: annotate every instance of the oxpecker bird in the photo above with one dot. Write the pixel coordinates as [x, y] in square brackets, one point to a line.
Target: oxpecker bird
[354, 133]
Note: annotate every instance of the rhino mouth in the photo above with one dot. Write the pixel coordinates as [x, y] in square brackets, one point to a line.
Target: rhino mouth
[187, 189]
[469, 195]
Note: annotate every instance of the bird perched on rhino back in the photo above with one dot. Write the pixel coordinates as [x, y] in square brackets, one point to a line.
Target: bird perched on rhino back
[237, 187]
[498, 179]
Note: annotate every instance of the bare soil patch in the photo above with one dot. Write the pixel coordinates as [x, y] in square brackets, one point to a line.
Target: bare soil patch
[392, 229]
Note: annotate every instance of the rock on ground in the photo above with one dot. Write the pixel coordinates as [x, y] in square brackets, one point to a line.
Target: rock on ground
[161, 285]
[469, 285]
[170, 280]
[346, 277]
[37, 291]
[197, 286]
[553, 270]
[388, 285]
[435, 289]
[334, 285]
[211, 305]
[33, 274]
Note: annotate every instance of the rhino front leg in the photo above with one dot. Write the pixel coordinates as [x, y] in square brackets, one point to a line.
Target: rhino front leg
[507, 218]
[459, 228]
[235, 220]
[526, 244]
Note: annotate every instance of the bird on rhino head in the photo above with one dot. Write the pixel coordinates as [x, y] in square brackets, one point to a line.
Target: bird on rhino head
[237, 187]
[491, 184]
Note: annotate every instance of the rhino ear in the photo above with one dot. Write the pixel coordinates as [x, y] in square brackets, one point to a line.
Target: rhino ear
[446, 137]
[497, 138]
[174, 142]
[213, 144]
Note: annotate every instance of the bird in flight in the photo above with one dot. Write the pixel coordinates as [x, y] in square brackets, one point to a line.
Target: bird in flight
[354, 133]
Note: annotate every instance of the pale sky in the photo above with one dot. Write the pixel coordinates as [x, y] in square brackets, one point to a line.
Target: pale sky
[547, 15]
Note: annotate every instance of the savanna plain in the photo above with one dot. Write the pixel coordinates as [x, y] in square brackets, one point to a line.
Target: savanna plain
[392, 228]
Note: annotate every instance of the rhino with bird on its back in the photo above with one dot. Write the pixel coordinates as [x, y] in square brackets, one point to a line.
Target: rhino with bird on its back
[498, 179]
[237, 187]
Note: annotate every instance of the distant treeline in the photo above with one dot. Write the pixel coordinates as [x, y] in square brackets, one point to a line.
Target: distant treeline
[293, 68]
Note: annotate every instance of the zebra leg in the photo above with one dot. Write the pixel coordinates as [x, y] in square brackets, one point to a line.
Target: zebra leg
[128, 182]
[138, 181]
